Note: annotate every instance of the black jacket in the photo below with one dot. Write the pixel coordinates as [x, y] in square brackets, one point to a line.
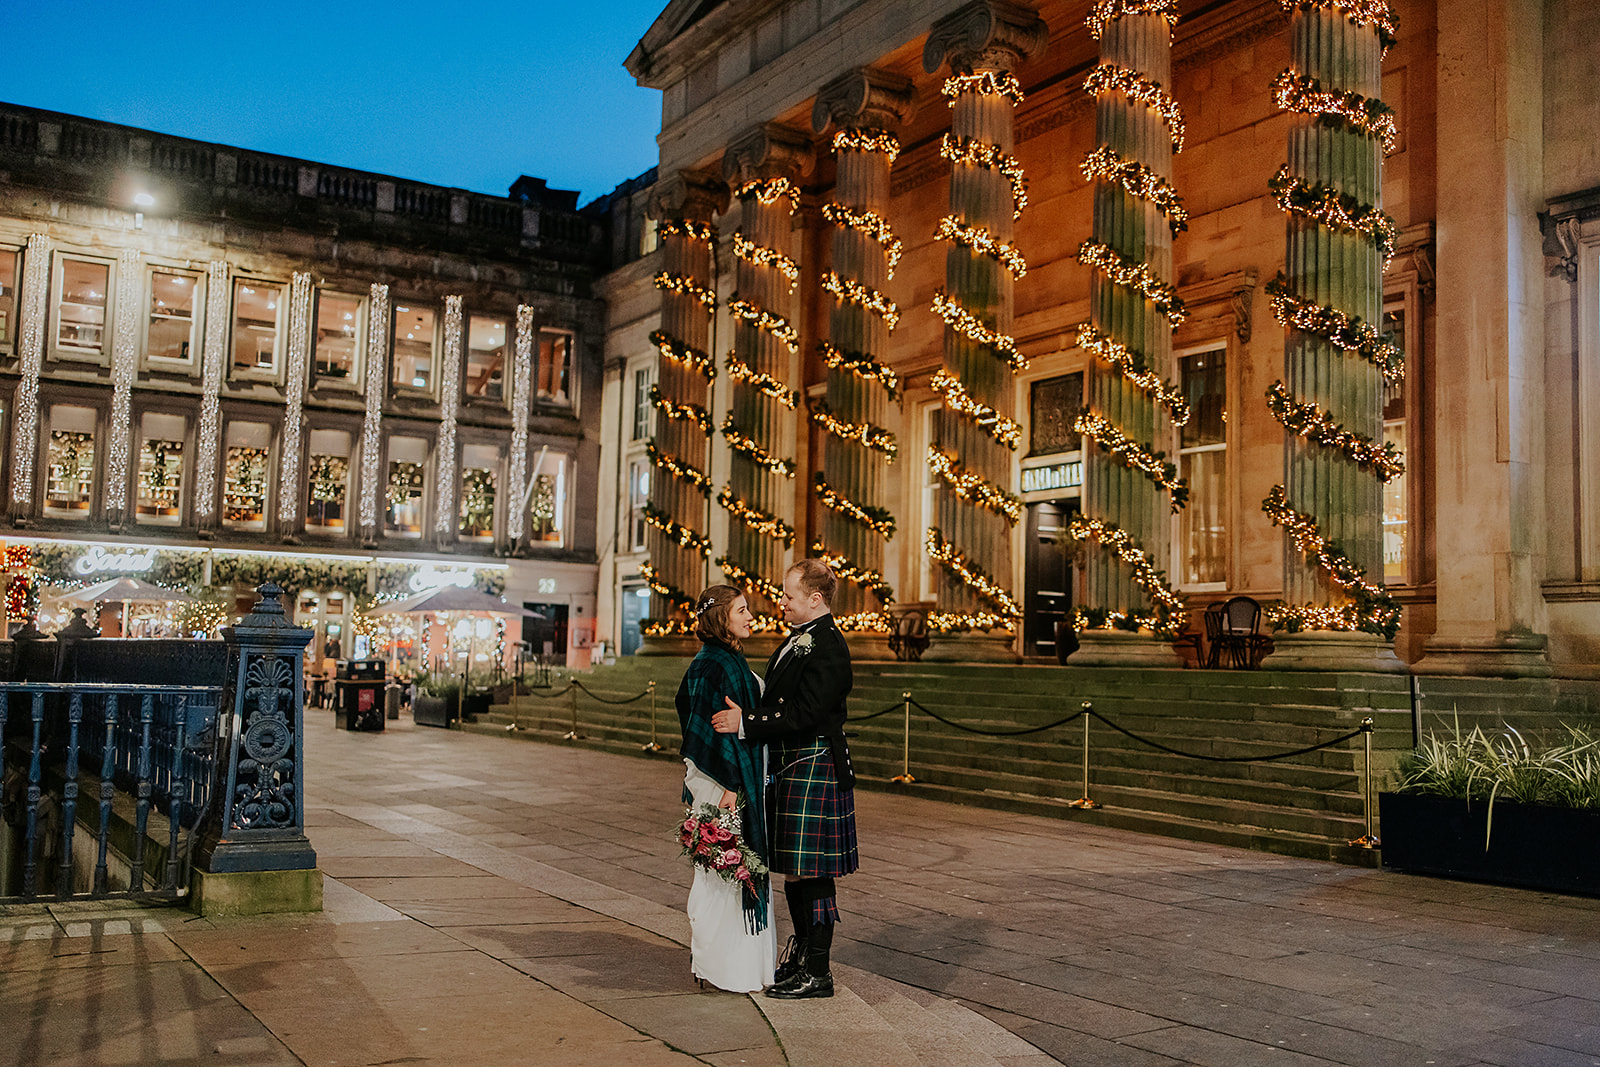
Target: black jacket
[805, 696]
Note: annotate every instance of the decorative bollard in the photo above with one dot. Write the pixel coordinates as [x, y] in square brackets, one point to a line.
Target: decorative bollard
[1368, 840]
[1085, 802]
[904, 777]
[252, 854]
[654, 745]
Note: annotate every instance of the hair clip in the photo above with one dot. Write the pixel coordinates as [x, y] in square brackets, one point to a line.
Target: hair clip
[705, 605]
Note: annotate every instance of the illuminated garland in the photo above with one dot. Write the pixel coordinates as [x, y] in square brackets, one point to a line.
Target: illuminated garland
[987, 83]
[1293, 91]
[666, 627]
[1324, 204]
[862, 366]
[769, 191]
[1131, 366]
[869, 436]
[869, 223]
[762, 256]
[672, 593]
[677, 533]
[976, 330]
[1140, 182]
[1375, 13]
[675, 350]
[703, 232]
[691, 413]
[854, 140]
[1131, 454]
[973, 487]
[865, 296]
[762, 319]
[1373, 610]
[1343, 331]
[875, 622]
[1112, 78]
[741, 577]
[980, 240]
[740, 371]
[956, 398]
[947, 622]
[761, 522]
[1131, 274]
[876, 519]
[1167, 604]
[678, 469]
[1383, 460]
[946, 555]
[990, 157]
[686, 286]
[845, 570]
[1105, 12]
[746, 445]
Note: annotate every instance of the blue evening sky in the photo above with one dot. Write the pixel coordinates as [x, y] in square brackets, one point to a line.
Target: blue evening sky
[468, 94]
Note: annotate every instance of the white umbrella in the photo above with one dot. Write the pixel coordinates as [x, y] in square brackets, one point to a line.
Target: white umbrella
[448, 598]
[126, 591]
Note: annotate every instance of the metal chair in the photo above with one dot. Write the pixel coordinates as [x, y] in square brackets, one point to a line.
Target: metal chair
[1214, 636]
[910, 636]
[1241, 624]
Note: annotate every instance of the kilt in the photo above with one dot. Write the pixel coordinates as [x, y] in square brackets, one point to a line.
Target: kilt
[813, 824]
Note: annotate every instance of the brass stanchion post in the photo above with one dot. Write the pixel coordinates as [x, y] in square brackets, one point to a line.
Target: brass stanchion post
[654, 745]
[515, 722]
[572, 734]
[1084, 802]
[904, 777]
[1368, 840]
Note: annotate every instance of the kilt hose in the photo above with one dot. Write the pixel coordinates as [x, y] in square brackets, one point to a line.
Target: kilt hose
[813, 824]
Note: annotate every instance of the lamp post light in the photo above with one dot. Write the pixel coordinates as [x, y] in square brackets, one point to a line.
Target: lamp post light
[141, 201]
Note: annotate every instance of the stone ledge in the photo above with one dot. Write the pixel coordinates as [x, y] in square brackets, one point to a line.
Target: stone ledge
[254, 892]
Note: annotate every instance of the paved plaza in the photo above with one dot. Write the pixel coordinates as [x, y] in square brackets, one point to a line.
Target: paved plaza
[491, 901]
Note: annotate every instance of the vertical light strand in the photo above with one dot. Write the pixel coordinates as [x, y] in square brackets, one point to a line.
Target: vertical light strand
[444, 522]
[372, 423]
[294, 400]
[34, 302]
[213, 357]
[124, 365]
[521, 394]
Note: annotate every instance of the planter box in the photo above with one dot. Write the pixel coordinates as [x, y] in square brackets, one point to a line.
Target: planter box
[432, 711]
[1530, 845]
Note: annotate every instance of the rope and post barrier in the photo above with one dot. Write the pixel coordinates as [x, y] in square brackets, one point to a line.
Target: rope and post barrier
[573, 734]
[904, 777]
[654, 745]
[516, 723]
[1366, 840]
[1085, 802]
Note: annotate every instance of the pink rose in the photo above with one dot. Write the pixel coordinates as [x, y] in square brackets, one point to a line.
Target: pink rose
[722, 836]
[742, 874]
[727, 859]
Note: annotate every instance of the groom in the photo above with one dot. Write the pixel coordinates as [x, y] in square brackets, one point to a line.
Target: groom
[801, 718]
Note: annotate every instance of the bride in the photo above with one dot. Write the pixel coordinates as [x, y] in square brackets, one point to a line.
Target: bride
[732, 943]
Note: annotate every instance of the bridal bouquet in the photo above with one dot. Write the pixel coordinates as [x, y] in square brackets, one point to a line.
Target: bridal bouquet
[710, 837]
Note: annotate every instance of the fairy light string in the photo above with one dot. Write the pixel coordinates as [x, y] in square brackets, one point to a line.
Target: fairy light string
[854, 292]
[852, 139]
[973, 487]
[687, 355]
[1114, 78]
[677, 533]
[1131, 365]
[685, 472]
[1139, 182]
[978, 239]
[956, 399]
[1381, 459]
[955, 563]
[738, 576]
[1167, 607]
[1343, 331]
[865, 434]
[740, 371]
[1371, 608]
[1324, 204]
[1293, 91]
[846, 570]
[874, 518]
[694, 414]
[964, 151]
[870, 224]
[761, 522]
[862, 366]
[1133, 275]
[1105, 12]
[974, 329]
[746, 445]
[1133, 455]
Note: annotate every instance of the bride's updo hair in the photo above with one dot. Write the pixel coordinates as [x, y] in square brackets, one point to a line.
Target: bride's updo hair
[711, 614]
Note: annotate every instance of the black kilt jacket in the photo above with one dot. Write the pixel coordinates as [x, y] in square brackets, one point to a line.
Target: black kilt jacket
[804, 699]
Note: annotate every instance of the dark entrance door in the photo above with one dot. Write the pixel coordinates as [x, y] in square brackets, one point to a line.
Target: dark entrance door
[548, 635]
[635, 602]
[1047, 575]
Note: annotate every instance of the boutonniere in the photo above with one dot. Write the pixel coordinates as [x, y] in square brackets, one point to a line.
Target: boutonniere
[802, 644]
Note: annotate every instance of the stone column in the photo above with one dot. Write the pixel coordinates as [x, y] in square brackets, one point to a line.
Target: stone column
[208, 434]
[1330, 297]
[867, 106]
[290, 482]
[678, 513]
[370, 484]
[120, 460]
[760, 428]
[975, 510]
[1131, 488]
[32, 304]
[521, 405]
[444, 455]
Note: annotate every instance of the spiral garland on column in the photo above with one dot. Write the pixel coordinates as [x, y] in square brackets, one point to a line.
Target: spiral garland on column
[1134, 309]
[1330, 299]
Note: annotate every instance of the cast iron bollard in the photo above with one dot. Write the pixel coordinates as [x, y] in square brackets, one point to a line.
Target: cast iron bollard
[255, 820]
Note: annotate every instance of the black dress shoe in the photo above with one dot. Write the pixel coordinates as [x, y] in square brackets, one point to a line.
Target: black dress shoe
[803, 987]
[792, 962]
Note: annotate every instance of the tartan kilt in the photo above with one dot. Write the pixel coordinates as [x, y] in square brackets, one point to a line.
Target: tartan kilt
[813, 820]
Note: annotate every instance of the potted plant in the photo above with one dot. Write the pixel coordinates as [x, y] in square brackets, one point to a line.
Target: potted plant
[1498, 809]
[436, 702]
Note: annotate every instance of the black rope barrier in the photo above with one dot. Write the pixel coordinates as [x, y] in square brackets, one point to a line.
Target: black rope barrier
[1224, 759]
[552, 696]
[600, 699]
[998, 733]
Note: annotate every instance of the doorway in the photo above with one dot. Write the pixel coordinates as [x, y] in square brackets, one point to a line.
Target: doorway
[1047, 575]
[635, 602]
[547, 636]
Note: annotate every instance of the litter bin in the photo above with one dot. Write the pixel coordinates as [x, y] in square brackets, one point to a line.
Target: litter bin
[360, 695]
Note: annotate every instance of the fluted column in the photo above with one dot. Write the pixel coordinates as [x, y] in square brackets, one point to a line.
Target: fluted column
[1131, 403]
[760, 428]
[1330, 297]
[972, 454]
[679, 539]
[867, 106]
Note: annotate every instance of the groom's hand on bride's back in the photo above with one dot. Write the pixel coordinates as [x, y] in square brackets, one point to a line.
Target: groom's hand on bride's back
[726, 721]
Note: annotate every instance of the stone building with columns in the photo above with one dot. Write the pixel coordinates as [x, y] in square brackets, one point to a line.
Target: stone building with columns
[219, 361]
[1027, 313]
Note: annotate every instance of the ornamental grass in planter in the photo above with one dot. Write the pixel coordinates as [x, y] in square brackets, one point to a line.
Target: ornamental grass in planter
[1495, 808]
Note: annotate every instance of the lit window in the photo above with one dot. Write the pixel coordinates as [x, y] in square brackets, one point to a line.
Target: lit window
[547, 501]
[480, 465]
[8, 296]
[244, 476]
[327, 481]
[638, 498]
[642, 410]
[83, 304]
[257, 308]
[488, 342]
[340, 328]
[415, 343]
[159, 498]
[1394, 490]
[403, 490]
[1201, 546]
[70, 466]
[169, 329]
[555, 366]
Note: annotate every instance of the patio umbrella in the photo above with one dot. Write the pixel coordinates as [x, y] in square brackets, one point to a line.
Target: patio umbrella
[448, 598]
[126, 591]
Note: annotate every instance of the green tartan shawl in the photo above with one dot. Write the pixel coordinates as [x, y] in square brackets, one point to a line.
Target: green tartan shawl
[716, 673]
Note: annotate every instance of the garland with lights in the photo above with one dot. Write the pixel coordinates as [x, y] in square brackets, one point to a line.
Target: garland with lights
[871, 224]
[1372, 609]
[956, 399]
[865, 140]
[693, 414]
[762, 256]
[691, 357]
[1167, 606]
[947, 556]
[22, 595]
[876, 519]
[764, 523]
[686, 286]
[738, 576]
[1131, 365]
[678, 469]
[1114, 78]
[1324, 204]
[972, 487]
[1139, 182]
[846, 570]
[1382, 460]
[703, 232]
[853, 292]
[740, 371]
[983, 83]
[1348, 332]
[876, 622]
[768, 191]
[677, 533]
[1133, 455]
[748, 446]
[671, 593]
[974, 329]
[1130, 273]
[1293, 91]
[1374, 13]
[968, 152]
[868, 436]
[978, 239]
[862, 366]
[762, 319]
[1105, 12]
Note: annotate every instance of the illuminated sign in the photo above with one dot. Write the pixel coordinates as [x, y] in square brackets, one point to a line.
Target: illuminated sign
[97, 560]
[429, 578]
[1067, 475]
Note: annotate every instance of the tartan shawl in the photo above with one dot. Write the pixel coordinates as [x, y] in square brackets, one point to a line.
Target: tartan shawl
[716, 673]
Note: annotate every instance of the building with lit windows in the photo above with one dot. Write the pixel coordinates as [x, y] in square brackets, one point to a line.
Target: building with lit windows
[1027, 313]
[219, 365]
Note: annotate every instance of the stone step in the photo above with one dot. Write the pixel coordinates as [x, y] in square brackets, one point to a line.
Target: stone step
[940, 1031]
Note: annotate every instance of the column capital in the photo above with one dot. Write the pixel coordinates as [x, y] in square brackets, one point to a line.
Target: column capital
[864, 98]
[985, 35]
[770, 150]
[689, 194]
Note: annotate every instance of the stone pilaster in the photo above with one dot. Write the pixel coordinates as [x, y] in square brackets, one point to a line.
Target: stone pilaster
[521, 401]
[33, 301]
[975, 510]
[867, 107]
[445, 473]
[294, 390]
[208, 435]
[124, 368]
[762, 168]
[371, 482]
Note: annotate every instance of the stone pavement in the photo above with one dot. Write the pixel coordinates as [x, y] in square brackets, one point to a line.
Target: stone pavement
[490, 901]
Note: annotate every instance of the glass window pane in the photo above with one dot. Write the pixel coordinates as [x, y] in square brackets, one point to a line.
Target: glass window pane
[244, 488]
[1205, 388]
[1202, 526]
[339, 321]
[169, 334]
[255, 325]
[160, 482]
[328, 481]
[641, 404]
[477, 504]
[403, 499]
[488, 343]
[1394, 512]
[69, 485]
[1053, 406]
[414, 340]
[8, 295]
[81, 313]
[555, 366]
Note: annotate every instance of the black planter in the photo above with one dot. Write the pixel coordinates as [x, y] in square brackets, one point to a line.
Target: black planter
[432, 711]
[1530, 845]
